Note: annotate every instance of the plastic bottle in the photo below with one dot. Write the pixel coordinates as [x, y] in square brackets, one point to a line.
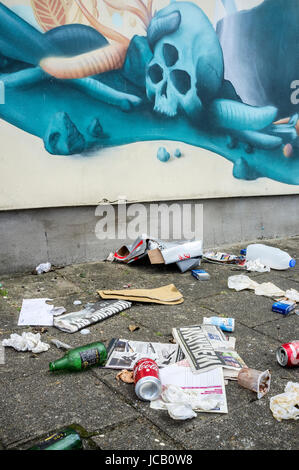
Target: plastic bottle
[81, 358]
[270, 256]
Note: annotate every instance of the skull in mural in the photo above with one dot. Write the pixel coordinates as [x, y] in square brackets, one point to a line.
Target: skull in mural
[187, 69]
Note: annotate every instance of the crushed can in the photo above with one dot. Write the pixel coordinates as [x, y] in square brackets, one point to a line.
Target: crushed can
[200, 274]
[148, 385]
[287, 355]
[283, 307]
[225, 324]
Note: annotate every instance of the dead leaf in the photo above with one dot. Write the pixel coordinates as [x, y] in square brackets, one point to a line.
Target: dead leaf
[133, 327]
[126, 376]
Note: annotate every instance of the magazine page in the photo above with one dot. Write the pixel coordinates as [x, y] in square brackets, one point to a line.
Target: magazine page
[122, 353]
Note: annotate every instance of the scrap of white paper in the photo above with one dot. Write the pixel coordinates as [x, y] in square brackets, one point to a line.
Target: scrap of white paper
[36, 312]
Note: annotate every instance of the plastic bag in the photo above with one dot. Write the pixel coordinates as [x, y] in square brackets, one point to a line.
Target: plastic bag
[43, 268]
[285, 405]
[241, 282]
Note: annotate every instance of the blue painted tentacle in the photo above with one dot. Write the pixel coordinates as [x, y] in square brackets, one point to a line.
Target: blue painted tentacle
[106, 94]
[229, 114]
[258, 139]
[24, 78]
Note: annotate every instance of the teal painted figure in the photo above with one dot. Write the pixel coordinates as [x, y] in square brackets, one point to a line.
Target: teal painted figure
[79, 92]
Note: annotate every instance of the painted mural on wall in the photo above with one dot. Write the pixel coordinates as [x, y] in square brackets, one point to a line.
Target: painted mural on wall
[232, 88]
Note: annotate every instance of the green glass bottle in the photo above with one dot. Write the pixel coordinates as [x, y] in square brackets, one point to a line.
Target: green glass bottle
[81, 358]
[67, 439]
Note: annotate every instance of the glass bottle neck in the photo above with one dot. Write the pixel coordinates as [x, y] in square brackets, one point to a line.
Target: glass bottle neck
[59, 364]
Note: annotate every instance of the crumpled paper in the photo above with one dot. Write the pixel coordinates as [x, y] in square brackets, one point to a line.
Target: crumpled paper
[285, 405]
[26, 342]
[292, 294]
[43, 268]
[181, 403]
[256, 266]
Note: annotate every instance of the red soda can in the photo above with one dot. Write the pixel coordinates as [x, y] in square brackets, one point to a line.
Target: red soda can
[287, 355]
[146, 377]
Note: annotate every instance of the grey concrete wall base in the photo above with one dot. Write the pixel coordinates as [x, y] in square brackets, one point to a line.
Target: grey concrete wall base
[68, 235]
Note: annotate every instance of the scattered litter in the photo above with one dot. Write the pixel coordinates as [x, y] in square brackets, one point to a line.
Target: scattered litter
[241, 282]
[110, 257]
[286, 405]
[269, 290]
[255, 380]
[85, 331]
[81, 358]
[59, 344]
[203, 392]
[58, 311]
[287, 355]
[168, 295]
[269, 256]
[126, 376]
[77, 302]
[256, 266]
[186, 255]
[36, 312]
[147, 380]
[206, 347]
[200, 274]
[225, 324]
[133, 327]
[188, 264]
[123, 354]
[179, 411]
[292, 294]
[26, 342]
[284, 307]
[43, 268]
[39, 329]
[66, 439]
[91, 313]
[223, 258]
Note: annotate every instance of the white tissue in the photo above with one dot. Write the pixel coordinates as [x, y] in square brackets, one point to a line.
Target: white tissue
[43, 268]
[285, 405]
[26, 342]
[256, 266]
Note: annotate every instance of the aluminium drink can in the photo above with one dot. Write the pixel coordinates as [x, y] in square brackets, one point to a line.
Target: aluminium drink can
[225, 324]
[287, 355]
[148, 385]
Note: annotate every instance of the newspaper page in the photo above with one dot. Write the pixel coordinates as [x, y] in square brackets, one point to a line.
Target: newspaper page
[209, 384]
[122, 353]
[91, 313]
[206, 347]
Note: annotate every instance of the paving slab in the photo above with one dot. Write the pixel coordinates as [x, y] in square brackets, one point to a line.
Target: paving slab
[49, 401]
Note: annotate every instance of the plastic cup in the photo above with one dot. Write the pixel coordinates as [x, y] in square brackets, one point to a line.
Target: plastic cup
[255, 380]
